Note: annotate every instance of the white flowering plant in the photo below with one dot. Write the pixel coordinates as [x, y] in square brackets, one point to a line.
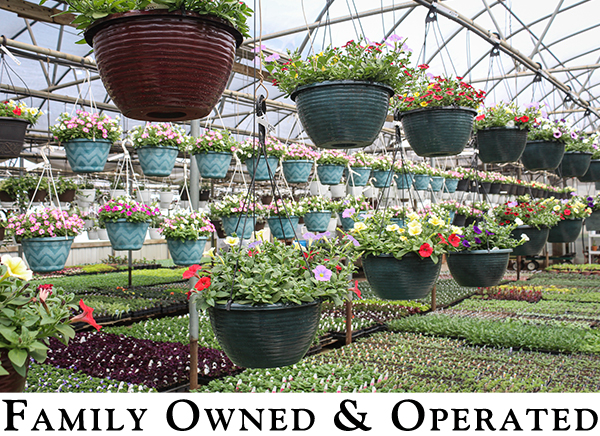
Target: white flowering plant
[569, 209]
[352, 204]
[12, 109]
[186, 225]
[220, 141]
[333, 157]
[382, 163]
[537, 214]
[234, 205]
[547, 130]
[361, 159]
[284, 207]
[44, 223]
[251, 148]
[298, 151]
[159, 135]
[316, 203]
[85, 125]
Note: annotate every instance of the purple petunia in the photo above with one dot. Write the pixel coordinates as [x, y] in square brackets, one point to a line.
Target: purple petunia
[477, 230]
[488, 233]
[466, 243]
[353, 240]
[348, 212]
[477, 240]
[322, 274]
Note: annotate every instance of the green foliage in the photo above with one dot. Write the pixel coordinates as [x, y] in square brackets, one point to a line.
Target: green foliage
[12, 109]
[186, 226]
[507, 115]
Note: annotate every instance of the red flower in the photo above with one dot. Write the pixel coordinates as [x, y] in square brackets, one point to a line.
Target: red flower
[45, 291]
[524, 119]
[567, 212]
[438, 97]
[191, 271]
[86, 316]
[480, 117]
[17, 111]
[202, 284]
[454, 239]
[423, 66]
[442, 239]
[425, 250]
[356, 290]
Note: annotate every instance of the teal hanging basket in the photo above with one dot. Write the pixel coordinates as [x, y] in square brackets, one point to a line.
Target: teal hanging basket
[47, 254]
[593, 172]
[438, 131]
[187, 252]
[213, 164]
[86, 155]
[297, 171]
[436, 183]
[317, 221]
[330, 174]
[404, 181]
[478, 268]
[422, 182]
[235, 225]
[382, 178]
[593, 221]
[543, 155]
[265, 336]
[501, 144]
[398, 221]
[537, 240]
[409, 278]
[343, 114]
[360, 176]
[348, 223]
[157, 161]
[262, 168]
[282, 227]
[574, 164]
[124, 235]
[450, 185]
[565, 231]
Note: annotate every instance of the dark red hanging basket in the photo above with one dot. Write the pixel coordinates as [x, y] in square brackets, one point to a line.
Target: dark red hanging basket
[158, 65]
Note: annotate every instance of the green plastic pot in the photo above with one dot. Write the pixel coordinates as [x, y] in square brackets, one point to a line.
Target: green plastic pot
[593, 172]
[593, 221]
[478, 268]
[565, 231]
[543, 155]
[574, 164]
[342, 114]
[409, 278]
[537, 240]
[501, 144]
[265, 336]
[438, 131]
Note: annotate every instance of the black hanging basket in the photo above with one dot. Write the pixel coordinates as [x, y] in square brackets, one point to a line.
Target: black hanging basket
[501, 144]
[537, 240]
[574, 164]
[478, 268]
[593, 221]
[12, 136]
[543, 155]
[565, 231]
[593, 172]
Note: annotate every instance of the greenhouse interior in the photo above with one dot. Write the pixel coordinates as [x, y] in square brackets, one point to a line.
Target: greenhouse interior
[335, 196]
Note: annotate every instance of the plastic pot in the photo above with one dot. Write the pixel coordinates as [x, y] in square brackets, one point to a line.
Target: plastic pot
[593, 172]
[86, 155]
[187, 252]
[213, 164]
[330, 174]
[574, 164]
[543, 155]
[124, 235]
[537, 240]
[262, 167]
[565, 231]
[297, 171]
[235, 224]
[317, 221]
[47, 254]
[157, 161]
[282, 227]
[478, 268]
[501, 144]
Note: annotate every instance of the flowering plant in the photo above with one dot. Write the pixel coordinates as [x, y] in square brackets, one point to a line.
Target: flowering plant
[400, 212]
[251, 148]
[297, 151]
[536, 214]
[316, 203]
[352, 204]
[569, 209]
[185, 225]
[425, 90]
[29, 317]
[220, 141]
[546, 130]
[232, 205]
[159, 135]
[382, 163]
[12, 109]
[507, 115]
[333, 157]
[44, 223]
[272, 272]
[361, 159]
[579, 142]
[593, 202]
[128, 209]
[386, 63]
[284, 207]
[84, 125]
[459, 208]
[487, 235]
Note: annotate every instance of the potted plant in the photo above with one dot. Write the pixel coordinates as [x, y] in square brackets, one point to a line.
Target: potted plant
[297, 162]
[36, 314]
[403, 263]
[157, 146]
[437, 114]
[117, 189]
[145, 82]
[501, 131]
[545, 144]
[360, 170]
[342, 93]
[577, 158]
[86, 194]
[154, 229]
[204, 194]
[282, 216]
[571, 212]
[351, 209]
[331, 165]
[437, 180]
[317, 213]
[383, 174]
[87, 138]
[213, 152]
[264, 301]
[251, 153]
[14, 120]
[593, 221]
[126, 222]
[34, 188]
[66, 189]
[593, 172]
[422, 176]
[404, 174]
[481, 258]
[186, 233]
[102, 233]
[46, 235]
[238, 214]
[451, 180]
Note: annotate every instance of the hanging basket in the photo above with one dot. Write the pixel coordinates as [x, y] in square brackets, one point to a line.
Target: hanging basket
[543, 155]
[565, 231]
[422, 182]
[213, 164]
[348, 223]
[235, 224]
[343, 114]
[12, 136]
[13, 381]
[164, 66]
[501, 144]
[330, 174]
[409, 278]
[360, 176]
[439, 131]
[463, 185]
[282, 227]
[382, 178]
[436, 183]
[593, 172]
[187, 252]
[87, 155]
[459, 220]
[593, 221]
[266, 336]
[124, 235]
[450, 185]
[478, 268]
[297, 171]
[574, 164]
[404, 181]
[157, 161]
[47, 254]
[317, 221]
[262, 168]
[68, 196]
[537, 240]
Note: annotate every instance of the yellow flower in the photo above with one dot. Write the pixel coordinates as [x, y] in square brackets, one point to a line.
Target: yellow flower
[297, 246]
[323, 68]
[415, 230]
[359, 226]
[413, 216]
[260, 235]
[435, 221]
[417, 94]
[209, 253]
[424, 104]
[392, 227]
[231, 241]
[401, 230]
[16, 267]
[403, 238]
[296, 76]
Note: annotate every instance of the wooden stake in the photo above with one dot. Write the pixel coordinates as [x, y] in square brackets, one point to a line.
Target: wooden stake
[348, 322]
[518, 268]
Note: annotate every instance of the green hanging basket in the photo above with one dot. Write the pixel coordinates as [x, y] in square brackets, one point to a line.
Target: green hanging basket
[574, 164]
[501, 144]
[565, 231]
[593, 221]
[267, 336]
[542, 155]
[438, 131]
[537, 240]
[478, 268]
[593, 172]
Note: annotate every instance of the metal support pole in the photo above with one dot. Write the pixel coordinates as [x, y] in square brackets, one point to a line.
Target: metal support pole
[130, 262]
[194, 322]
[194, 172]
